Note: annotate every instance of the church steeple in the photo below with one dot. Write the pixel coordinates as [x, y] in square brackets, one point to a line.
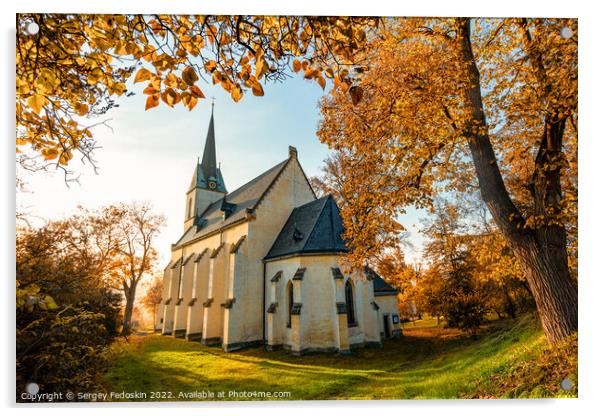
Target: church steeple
[208, 163]
[207, 184]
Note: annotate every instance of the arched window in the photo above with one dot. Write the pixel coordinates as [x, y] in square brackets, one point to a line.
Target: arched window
[350, 303]
[291, 300]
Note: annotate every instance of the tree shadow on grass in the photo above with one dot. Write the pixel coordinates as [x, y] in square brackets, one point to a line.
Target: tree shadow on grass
[403, 368]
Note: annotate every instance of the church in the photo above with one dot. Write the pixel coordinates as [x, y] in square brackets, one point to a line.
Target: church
[261, 265]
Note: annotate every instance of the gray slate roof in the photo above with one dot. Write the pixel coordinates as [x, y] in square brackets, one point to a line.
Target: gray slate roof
[315, 227]
[209, 163]
[381, 288]
[246, 197]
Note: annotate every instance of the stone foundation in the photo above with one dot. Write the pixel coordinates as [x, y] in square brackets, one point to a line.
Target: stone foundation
[241, 345]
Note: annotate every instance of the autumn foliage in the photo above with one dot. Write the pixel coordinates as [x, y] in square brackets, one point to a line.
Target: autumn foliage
[449, 106]
[75, 65]
[418, 107]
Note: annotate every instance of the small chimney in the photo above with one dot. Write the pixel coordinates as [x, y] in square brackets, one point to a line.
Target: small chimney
[292, 152]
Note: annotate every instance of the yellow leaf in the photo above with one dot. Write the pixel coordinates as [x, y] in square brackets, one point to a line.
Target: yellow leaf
[236, 93]
[143, 74]
[261, 68]
[22, 87]
[46, 82]
[170, 97]
[36, 102]
[50, 154]
[81, 109]
[65, 157]
[95, 76]
[118, 88]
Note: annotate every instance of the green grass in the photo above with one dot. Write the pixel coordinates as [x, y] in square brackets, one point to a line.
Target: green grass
[429, 362]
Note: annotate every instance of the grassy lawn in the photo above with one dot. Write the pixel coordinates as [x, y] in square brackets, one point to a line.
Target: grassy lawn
[429, 362]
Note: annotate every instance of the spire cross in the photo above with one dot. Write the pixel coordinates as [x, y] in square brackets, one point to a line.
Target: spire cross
[212, 102]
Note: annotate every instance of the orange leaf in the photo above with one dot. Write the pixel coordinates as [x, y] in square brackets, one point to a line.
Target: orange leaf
[152, 101]
[296, 65]
[257, 90]
[236, 93]
[321, 81]
[192, 102]
[143, 74]
[196, 91]
[210, 66]
[189, 75]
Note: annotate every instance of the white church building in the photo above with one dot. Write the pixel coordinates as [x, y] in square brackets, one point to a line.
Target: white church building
[261, 265]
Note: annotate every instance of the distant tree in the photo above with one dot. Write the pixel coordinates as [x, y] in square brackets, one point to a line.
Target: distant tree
[66, 316]
[426, 293]
[331, 181]
[136, 228]
[152, 297]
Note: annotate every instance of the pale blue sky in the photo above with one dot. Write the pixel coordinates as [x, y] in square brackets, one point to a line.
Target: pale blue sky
[150, 155]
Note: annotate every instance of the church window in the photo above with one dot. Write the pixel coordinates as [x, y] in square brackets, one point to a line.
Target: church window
[349, 300]
[291, 300]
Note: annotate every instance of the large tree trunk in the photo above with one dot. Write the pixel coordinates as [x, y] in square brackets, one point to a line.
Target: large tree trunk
[540, 251]
[554, 292]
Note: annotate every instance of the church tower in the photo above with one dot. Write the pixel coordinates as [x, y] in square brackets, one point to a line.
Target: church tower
[207, 184]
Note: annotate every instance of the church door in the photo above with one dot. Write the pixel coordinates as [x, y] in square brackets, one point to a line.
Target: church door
[386, 326]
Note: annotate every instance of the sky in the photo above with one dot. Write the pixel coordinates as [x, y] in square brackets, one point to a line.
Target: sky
[150, 155]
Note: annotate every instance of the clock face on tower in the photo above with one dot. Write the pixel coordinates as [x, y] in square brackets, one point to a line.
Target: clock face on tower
[212, 185]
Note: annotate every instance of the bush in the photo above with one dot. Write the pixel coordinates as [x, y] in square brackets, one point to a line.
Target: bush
[466, 312]
[62, 348]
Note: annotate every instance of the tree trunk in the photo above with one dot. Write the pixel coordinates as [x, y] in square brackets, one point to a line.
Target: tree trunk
[130, 296]
[154, 317]
[554, 292]
[510, 306]
[541, 252]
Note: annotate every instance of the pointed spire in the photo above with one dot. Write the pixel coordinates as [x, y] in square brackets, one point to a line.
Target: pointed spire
[209, 164]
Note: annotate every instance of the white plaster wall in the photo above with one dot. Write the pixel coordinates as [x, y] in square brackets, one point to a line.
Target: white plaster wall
[318, 319]
[388, 305]
[289, 191]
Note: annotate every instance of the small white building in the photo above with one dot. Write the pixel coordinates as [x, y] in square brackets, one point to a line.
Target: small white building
[261, 266]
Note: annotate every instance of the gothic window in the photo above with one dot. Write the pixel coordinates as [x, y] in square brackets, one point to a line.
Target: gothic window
[291, 300]
[180, 281]
[349, 301]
